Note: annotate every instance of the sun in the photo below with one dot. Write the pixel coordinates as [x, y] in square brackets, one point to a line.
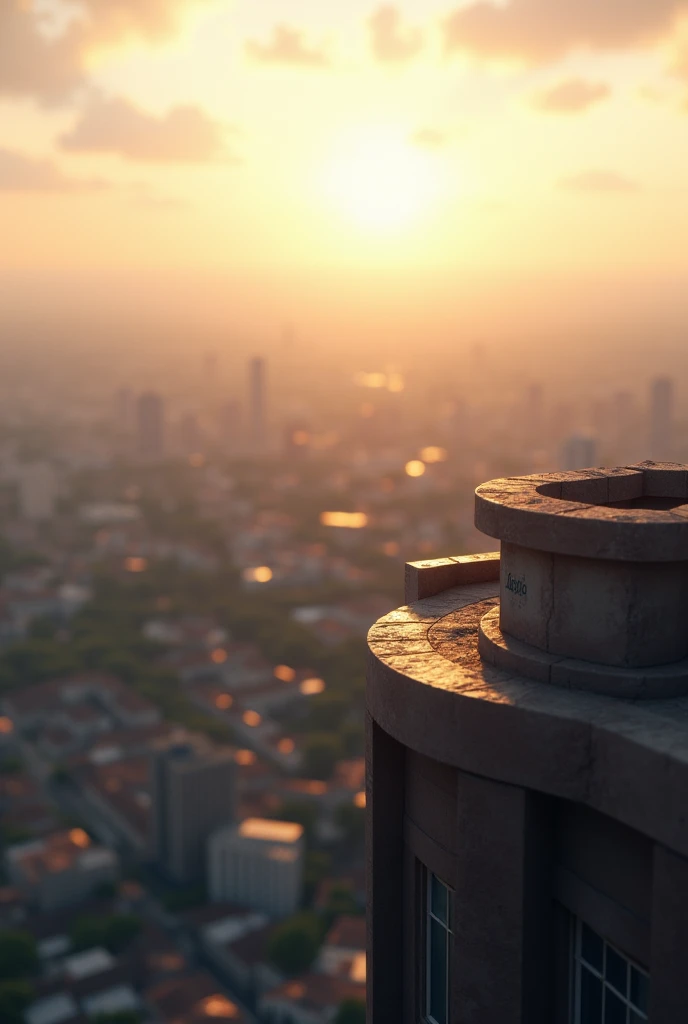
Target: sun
[382, 183]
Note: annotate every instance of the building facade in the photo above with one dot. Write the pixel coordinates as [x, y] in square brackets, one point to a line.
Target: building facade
[257, 864]
[192, 794]
[527, 763]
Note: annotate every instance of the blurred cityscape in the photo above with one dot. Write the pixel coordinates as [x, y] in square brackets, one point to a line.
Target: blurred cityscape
[188, 572]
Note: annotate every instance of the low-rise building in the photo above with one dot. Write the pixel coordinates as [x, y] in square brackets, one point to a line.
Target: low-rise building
[62, 869]
[194, 999]
[258, 863]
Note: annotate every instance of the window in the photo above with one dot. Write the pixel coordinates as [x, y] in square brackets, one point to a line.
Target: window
[608, 988]
[438, 939]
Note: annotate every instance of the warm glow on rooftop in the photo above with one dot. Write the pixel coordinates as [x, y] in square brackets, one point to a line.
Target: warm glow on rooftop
[79, 838]
[358, 968]
[348, 520]
[245, 757]
[360, 799]
[6, 725]
[251, 718]
[258, 574]
[271, 831]
[197, 459]
[218, 656]
[135, 564]
[309, 687]
[390, 548]
[434, 454]
[286, 746]
[284, 673]
[414, 468]
[218, 1006]
[224, 701]
[300, 438]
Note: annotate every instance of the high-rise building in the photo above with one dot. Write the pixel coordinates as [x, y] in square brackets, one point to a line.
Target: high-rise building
[258, 864]
[150, 425]
[38, 491]
[578, 452]
[192, 791]
[257, 426]
[661, 418]
[527, 710]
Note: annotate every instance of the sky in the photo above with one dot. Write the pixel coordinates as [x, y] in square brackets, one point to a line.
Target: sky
[405, 163]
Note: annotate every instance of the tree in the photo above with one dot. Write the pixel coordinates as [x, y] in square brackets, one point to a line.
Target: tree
[300, 811]
[321, 751]
[295, 943]
[114, 932]
[15, 996]
[18, 955]
[351, 1011]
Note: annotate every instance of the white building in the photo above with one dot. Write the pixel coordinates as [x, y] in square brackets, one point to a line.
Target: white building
[258, 864]
[38, 491]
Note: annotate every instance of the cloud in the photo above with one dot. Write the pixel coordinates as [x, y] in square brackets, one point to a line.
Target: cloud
[392, 43]
[571, 97]
[21, 173]
[599, 181]
[544, 30]
[287, 46]
[429, 138]
[36, 63]
[114, 125]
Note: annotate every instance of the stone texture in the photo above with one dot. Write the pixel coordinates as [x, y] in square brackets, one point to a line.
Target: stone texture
[425, 579]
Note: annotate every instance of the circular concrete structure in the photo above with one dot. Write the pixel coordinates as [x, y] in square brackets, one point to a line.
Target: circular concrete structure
[594, 578]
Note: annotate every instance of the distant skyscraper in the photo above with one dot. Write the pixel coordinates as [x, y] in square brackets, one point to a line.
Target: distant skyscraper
[578, 452]
[257, 401]
[37, 491]
[259, 864]
[123, 409]
[662, 419]
[190, 434]
[150, 413]
[192, 795]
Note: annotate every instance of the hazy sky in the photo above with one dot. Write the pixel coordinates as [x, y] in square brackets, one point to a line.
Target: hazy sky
[307, 141]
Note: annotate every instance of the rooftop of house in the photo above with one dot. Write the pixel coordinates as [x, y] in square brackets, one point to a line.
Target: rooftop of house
[60, 851]
[193, 999]
[348, 932]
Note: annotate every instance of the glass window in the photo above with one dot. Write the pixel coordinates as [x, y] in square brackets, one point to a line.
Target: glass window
[608, 987]
[438, 926]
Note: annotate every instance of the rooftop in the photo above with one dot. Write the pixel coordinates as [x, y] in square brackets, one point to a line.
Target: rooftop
[271, 831]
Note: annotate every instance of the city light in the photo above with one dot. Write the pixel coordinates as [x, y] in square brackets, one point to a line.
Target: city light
[245, 758]
[6, 725]
[79, 838]
[360, 799]
[251, 718]
[219, 1006]
[371, 380]
[344, 520]
[312, 686]
[414, 468]
[433, 454]
[300, 438]
[259, 574]
[286, 746]
[390, 548]
[224, 701]
[218, 656]
[285, 673]
[197, 459]
[135, 564]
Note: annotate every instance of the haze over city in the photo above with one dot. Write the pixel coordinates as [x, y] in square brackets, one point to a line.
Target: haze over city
[281, 283]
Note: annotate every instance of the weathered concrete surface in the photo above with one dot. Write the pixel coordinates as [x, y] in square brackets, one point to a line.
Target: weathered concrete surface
[425, 579]
[624, 758]
[570, 513]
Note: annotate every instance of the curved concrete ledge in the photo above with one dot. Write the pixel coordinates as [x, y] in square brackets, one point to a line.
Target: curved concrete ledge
[636, 514]
[505, 652]
[429, 689]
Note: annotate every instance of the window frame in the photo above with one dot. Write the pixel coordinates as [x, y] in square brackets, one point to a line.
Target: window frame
[580, 965]
[426, 938]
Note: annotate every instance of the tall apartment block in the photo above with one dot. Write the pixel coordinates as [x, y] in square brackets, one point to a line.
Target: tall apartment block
[661, 418]
[256, 384]
[192, 790]
[150, 425]
[527, 763]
